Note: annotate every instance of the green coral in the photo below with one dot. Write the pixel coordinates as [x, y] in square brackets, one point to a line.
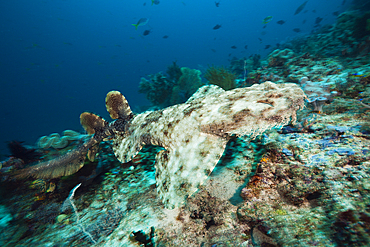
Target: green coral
[175, 88]
[157, 89]
[221, 77]
[174, 72]
[188, 83]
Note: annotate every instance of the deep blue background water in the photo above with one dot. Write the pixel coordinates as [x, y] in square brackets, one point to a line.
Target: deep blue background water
[60, 57]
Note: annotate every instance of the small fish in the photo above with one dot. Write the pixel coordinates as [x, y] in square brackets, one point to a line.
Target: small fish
[304, 21]
[264, 26]
[216, 27]
[267, 19]
[336, 13]
[297, 30]
[217, 4]
[358, 75]
[300, 8]
[144, 4]
[156, 2]
[234, 47]
[281, 22]
[165, 37]
[213, 50]
[344, 2]
[246, 47]
[146, 32]
[317, 21]
[141, 22]
[314, 11]
[260, 40]
[267, 46]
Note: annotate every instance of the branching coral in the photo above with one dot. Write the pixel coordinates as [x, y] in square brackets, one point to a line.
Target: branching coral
[221, 77]
[164, 91]
[187, 84]
[157, 90]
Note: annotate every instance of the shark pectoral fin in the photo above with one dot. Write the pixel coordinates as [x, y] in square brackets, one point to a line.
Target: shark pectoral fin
[180, 170]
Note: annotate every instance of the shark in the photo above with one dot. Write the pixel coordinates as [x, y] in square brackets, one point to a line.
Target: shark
[193, 134]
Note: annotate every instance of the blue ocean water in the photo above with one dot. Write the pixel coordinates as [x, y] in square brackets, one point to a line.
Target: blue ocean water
[60, 58]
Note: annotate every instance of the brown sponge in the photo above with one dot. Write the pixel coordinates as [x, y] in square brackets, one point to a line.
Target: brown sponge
[117, 105]
[91, 122]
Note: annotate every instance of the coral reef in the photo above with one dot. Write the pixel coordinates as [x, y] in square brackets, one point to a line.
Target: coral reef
[157, 89]
[19, 151]
[176, 88]
[186, 86]
[221, 77]
[306, 184]
[280, 57]
[54, 140]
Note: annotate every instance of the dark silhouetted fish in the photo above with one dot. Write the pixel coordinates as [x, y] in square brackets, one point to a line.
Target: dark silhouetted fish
[304, 21]
[344, 2]
[281, 22]
[297, 30]
[217, 4]
[165, 37]
[300, 8]
[246, 47]
[146, 32]
[264, 26]
[336, 13]
[314, 11]
[216, 27]
[156, 2]
[260, 40]
[267, 46]
[213, 50]
[317, 21]
[234, 47]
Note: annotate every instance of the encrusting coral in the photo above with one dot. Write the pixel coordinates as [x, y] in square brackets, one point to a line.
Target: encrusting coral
[194, 134]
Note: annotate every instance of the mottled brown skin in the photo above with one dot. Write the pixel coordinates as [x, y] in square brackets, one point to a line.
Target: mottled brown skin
[194, 134]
